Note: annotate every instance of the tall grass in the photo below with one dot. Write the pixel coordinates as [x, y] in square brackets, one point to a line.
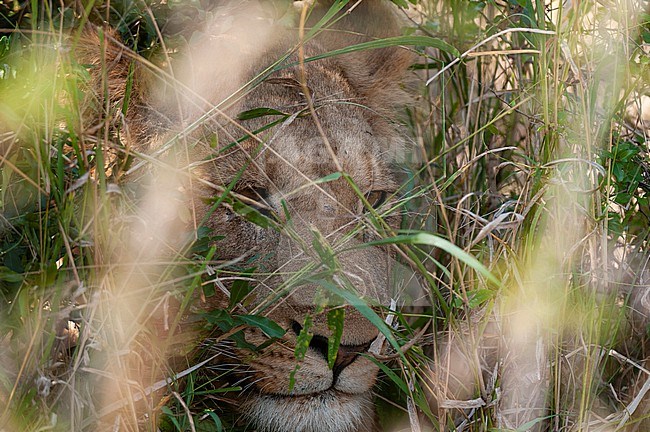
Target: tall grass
[540, 121]
[527, 229]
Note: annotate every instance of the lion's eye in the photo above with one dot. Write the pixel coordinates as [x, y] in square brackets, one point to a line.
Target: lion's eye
[296, 327]
[254, 193]
[376, 198]
[258, 199]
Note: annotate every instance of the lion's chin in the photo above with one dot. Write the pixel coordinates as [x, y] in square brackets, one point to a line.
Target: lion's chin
[328, 411]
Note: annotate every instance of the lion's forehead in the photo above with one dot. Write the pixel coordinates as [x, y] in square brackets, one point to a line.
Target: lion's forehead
[302, 153]
[307, 169]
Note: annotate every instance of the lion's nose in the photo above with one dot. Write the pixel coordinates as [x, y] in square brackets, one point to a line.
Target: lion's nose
[345, 355]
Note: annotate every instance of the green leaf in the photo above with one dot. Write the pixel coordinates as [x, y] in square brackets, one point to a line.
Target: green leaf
[302, 345]
[332, 11]
[225, 323]
[268, 326]
[303, 339]
[217, 421]
[441, 243]
[8, 275]
[479, 297]
[251, 215]
[392, 375]
[625, 151]
[353, 300]
[623, 198]
[619, 172]
[425, 41]
[260, 112]
[220, 318]
[328, 178]
[240, 288]
[324, 251]
[335, 319]
[165, 410]
[292, 377]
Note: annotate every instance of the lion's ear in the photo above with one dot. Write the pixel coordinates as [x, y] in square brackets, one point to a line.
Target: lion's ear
[102, 52]
[376, 73]
[374, 18]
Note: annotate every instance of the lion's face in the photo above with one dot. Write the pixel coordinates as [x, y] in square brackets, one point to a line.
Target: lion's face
[286, 165]
[290, 164]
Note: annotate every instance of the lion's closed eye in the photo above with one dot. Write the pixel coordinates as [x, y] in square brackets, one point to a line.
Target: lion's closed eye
[258, 198]
[377, 198]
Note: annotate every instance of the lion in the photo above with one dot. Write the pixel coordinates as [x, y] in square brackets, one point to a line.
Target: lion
[310, 145]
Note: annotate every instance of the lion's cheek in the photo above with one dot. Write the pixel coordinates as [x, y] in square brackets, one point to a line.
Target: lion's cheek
[274, 373]
[277, 372]
[359, 377]
[241, 238]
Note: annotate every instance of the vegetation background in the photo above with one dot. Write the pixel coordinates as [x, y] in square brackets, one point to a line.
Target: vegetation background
[531, 126]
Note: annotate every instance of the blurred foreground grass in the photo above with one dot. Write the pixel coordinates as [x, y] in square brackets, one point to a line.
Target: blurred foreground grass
[533, 158]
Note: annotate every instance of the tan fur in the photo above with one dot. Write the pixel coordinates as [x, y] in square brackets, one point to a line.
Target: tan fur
[354, 97]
